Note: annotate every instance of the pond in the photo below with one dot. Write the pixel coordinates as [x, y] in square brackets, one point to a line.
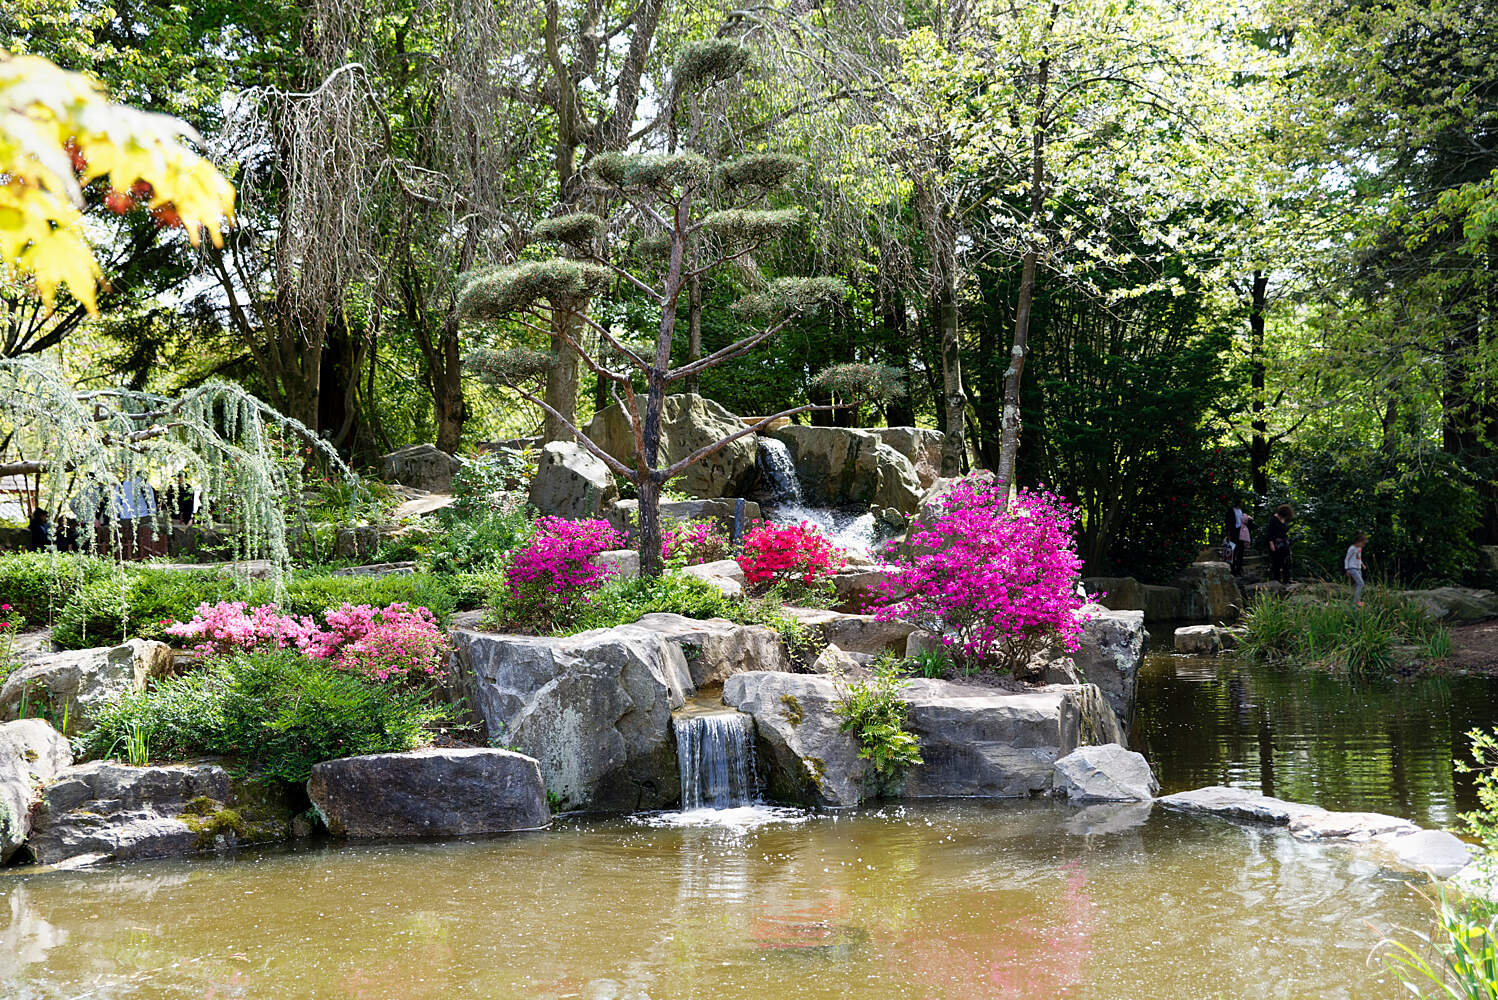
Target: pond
[1032, 900]
[1310, 736]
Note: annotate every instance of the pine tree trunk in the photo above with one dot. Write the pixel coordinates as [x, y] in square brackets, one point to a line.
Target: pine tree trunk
[954, 444]
[650, 526]
[1258, 445]
[561, 387]
[694, 328]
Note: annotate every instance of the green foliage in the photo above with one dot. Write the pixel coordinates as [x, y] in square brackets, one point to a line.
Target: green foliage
[275, 713]
[929, 663]
[38, 584]
[579, 229]
[559, 282]
[739, 226]
[1338, 635]
[762, 170]
[872, 710]
[488, 516]
[1419, 511]
[785, 295]
[1459, 960]
[1482, 822]
[657, 172]
[862, 380]
[708, 61]
[356, 500]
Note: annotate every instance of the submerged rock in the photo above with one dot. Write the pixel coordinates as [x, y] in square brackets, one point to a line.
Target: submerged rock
[78, 683]
[1107, 773]
[106, 811]
[572, 482]
[448, 792]
[31, 754]
[593, 709]
[1436, 852]
[1109, 818]
[1354, 826]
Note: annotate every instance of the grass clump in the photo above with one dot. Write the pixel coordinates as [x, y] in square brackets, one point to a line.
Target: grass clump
[276, 713]
[1338, 635]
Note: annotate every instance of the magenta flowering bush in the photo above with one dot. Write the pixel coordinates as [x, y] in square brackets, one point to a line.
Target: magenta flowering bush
[546, 573]
[688, 543]
[385, 644]
[996, 584]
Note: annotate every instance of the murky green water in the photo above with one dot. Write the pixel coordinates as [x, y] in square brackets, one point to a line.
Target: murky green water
[1014, 900]
[1310, 736]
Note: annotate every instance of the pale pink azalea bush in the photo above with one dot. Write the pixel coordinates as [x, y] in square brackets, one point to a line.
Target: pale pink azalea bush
[996, 584]
[689, 543]
[385, 644]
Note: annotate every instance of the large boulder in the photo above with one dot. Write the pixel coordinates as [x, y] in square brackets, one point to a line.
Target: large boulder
[724, 574]
[1124, 593]
[716, 649]
[572, 482]
[1107, 773]
[855, 633]
[843, 465]
[446, 792]
[31, 754]
[624, 516]
[1198, 640]
[423, 466]
[974, 741]
[593, 709]
[1209, 590]
[1459, 605]
[106, 811]
[78, 683]
[921, 445]
[1110, 653]
[688, 422]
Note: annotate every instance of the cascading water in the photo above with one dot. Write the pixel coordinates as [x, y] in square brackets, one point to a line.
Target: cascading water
[785, 503]
[715, 755]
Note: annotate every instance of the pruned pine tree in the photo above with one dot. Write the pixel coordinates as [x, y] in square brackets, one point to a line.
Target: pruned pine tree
[665, 221]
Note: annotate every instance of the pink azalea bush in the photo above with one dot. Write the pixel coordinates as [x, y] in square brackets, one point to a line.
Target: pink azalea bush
[996, 584]
[385, 644]
[688, 543]
[11, 624]
[548, 571]
[794, 554]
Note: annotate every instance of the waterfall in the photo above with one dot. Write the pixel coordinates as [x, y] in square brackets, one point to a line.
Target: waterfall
[785, 502]
[715, 755]
[778, 469]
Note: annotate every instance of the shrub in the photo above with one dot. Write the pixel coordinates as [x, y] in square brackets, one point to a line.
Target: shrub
[545, 575]
[689, 543]
[274, 711]
[136, 603]
[995, 583]
[310, 593]
[794, 556]
[39, 584]
[396, 642]
[873, 711]
[488, 516]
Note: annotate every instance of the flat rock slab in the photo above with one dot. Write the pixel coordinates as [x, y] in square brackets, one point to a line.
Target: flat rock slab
[430, 793]
[1239, 804]
[715, 648]
[1438, 852]
[1354, 826]
[855, 633]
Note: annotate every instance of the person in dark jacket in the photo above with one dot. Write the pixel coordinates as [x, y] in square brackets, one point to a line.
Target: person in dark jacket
[41, 530]
[1278, 535]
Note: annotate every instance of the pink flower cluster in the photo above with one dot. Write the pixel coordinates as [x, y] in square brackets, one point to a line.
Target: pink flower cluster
[384, 644]
[995, 583]
[559, 556]
[687, 543]
[796, 553]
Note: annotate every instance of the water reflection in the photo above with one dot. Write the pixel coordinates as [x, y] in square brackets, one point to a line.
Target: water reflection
[943, 901]
[1310, 736]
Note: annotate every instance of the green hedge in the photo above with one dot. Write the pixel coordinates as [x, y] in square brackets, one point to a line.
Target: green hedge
[38, 584]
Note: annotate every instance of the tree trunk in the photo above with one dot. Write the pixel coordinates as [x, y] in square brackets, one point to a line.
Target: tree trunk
[1258, 445]
[561, 386]
[650, 525]
[694, 328]
[1010, 427]
[954, 444]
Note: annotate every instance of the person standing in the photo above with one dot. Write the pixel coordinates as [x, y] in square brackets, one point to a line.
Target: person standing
[1242, 539]
[40, 528]
[1353, 564]
[1279, 543]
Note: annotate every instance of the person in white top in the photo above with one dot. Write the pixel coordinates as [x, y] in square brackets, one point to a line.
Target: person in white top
[1353, 564]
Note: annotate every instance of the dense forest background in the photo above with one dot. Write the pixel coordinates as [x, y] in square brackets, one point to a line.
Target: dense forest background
[1251, 252]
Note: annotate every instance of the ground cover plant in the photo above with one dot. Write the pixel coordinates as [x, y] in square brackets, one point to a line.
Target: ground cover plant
[272, 712]
[873, 711]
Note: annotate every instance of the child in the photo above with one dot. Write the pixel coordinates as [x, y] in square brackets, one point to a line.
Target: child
[1353, 564]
